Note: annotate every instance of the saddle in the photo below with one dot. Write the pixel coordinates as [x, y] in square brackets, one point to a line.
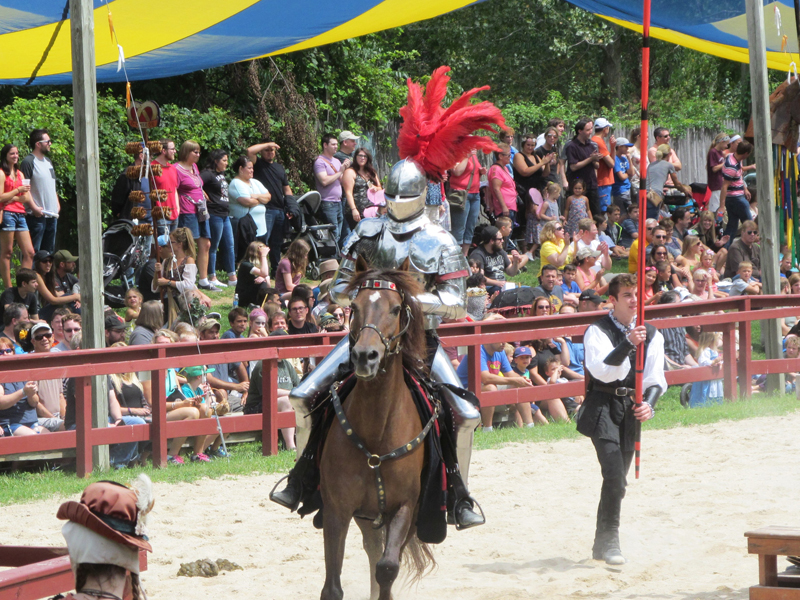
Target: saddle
[431, 516]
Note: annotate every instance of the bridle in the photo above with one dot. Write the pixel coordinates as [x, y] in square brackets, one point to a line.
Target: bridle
[381, 284]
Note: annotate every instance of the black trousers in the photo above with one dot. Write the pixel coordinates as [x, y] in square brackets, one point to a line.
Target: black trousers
[614, 465]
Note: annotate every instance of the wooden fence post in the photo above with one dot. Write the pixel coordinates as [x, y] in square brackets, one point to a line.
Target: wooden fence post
[729, 361]
[474, 370]
[269, 406]
[158, 426]
[83, 426]
[745, 365]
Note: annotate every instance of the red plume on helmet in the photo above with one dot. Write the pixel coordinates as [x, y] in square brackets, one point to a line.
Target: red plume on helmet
[438, 138]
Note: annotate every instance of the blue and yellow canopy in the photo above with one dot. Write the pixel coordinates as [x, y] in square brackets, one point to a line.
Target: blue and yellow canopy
[162, 38]
[717, 27]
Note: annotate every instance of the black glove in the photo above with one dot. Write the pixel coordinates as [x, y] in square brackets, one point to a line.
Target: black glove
[616, 357]
[651, 396]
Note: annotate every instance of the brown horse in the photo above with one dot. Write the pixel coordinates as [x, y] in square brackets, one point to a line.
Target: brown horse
[387, 333]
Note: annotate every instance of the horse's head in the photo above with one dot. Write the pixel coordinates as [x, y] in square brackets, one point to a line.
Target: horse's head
[385, 319]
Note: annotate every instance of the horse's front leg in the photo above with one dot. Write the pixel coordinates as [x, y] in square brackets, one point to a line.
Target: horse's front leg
[389, 565]
[334, 529]
[373, 546]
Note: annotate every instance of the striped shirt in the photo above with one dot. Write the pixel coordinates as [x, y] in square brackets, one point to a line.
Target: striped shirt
[732, 173]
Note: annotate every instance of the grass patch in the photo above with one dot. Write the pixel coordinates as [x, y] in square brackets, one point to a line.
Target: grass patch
[246, 460]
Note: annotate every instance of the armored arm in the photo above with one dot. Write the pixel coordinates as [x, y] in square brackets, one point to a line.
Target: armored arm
[448, 298]
[341, 280]
[619, 354]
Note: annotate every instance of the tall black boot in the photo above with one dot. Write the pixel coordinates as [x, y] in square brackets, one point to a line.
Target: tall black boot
[291, 495]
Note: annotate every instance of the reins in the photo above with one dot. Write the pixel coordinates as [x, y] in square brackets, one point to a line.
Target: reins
[374, 461]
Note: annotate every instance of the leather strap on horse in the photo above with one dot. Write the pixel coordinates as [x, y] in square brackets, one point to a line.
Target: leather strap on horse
[373, 460]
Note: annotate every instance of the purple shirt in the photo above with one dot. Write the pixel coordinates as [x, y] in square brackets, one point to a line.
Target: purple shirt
[714, 179]
[190, 189]
[329, 166]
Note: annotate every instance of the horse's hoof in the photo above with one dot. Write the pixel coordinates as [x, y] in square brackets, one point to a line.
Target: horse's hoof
[464, 515]
[288, 497]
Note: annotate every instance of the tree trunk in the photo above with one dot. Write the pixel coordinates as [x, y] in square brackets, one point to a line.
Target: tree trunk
[612, 74]
[262, 116]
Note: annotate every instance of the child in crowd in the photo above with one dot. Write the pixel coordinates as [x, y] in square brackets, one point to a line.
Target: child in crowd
[478, 300]
[707, 263]
[237, 319]
[615, 249]
[505, 225]
[133, 303]
[652, 292]
[548, 209]
[792, 343]
[664, 280]
[614, 223]
[745, 284]
[258, 324]
[554, 372]
[569, 285]
[707, 392]
[623, 171]
[529, 413]
[197, 390]
[630, 226]
[474, 266]
[576, 208]
[786, 264]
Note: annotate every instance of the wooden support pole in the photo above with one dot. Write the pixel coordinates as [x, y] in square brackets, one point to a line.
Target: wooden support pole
[87, 187]
[770, 240]
[269, 407]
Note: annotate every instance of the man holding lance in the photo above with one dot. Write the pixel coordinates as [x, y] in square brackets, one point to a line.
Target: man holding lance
[608, 415]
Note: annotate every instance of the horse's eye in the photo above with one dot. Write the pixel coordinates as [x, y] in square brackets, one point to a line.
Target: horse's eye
[395, 311]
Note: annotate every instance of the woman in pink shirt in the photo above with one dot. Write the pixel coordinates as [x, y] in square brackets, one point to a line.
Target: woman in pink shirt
[193, 212]
[13, 226]
[501, 184]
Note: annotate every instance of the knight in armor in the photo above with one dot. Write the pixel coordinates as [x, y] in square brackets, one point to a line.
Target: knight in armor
[608, 414]
[431, 140]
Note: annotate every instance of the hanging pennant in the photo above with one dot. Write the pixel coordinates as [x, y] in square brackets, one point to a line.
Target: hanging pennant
[111, 26]
[121, 59]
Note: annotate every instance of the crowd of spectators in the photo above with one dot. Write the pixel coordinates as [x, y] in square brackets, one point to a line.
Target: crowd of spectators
[569, 205]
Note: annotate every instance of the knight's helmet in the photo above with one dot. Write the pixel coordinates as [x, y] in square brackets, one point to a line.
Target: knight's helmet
[405, 190]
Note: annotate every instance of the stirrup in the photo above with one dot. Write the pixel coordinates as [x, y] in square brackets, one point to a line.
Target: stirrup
[460, 526]
[274, 496]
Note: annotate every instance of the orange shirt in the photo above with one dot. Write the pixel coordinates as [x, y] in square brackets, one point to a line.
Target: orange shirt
[605, 174]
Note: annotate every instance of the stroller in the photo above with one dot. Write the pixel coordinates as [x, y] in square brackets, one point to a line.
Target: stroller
[318, 236]
[124, 255]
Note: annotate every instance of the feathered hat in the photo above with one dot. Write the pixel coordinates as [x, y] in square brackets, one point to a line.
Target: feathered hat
[437, 138]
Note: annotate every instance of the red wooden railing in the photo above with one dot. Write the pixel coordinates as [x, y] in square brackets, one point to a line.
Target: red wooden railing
[740, 312]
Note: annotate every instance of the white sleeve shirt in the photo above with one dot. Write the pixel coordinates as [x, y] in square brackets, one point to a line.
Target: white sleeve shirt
[598, 346]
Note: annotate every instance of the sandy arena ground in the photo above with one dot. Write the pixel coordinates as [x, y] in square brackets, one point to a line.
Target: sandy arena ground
[682, 525]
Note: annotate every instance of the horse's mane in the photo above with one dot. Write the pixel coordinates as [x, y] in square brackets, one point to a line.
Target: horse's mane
[414, 344]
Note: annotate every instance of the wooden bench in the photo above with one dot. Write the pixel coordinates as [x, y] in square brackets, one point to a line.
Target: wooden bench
[769, 543]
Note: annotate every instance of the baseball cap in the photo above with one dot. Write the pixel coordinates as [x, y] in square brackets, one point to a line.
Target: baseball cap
[586, 252]
[197, 370]
[64, 256]
[40, 327]
[348, 135]
[42, 255]
[208, 324]
[489, 233]
[602, 123]
[522, 351]
[622, 141]
[590, 295]
[114, 322]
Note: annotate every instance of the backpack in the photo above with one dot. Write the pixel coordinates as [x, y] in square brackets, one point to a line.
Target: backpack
[517, 300]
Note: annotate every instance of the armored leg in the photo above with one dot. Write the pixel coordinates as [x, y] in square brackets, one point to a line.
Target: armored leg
[467, 416]
[318, 381]
[303, 398]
